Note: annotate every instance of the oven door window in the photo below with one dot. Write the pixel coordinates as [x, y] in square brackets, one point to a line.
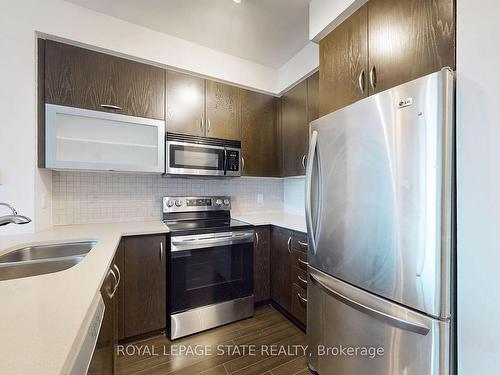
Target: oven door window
[211, 275]
[196, 157]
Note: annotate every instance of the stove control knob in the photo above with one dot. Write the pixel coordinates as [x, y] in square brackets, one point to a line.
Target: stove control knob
[178, 203]
[218, 202]
[226, 202]
[170, 203]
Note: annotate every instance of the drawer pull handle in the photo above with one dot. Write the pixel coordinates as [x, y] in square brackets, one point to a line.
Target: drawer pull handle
[303, 264]
[288, 244]
[111, 106]
[302, 299]
[303, 244]
[302, 281]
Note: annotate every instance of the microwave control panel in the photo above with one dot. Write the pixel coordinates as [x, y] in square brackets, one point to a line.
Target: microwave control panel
[233, 160]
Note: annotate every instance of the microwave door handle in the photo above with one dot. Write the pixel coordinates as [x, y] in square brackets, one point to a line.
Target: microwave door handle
[225, 161]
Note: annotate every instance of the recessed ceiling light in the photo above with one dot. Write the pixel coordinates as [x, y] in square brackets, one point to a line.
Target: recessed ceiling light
[237, 1]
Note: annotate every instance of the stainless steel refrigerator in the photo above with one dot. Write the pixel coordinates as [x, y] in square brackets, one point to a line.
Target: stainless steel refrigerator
[380, 218]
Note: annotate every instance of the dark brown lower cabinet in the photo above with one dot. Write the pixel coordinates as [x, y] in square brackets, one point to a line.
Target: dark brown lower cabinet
[103, 359]
[262, 264]
[142, 295]
[289, 271]
[280, 267]
[299, 303]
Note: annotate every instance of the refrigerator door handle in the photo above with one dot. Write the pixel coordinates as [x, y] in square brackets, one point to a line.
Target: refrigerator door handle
[392, 320]
[308, 187]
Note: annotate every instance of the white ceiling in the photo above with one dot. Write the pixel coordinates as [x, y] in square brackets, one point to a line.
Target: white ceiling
[268, 32]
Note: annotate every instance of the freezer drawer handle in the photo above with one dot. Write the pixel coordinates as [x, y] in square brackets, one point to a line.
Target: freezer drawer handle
[397, 322]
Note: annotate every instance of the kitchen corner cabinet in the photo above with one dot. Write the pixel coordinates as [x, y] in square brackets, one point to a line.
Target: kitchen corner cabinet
[344, 63]
[294, 130]
[103, 359]
[222, 111]
[409, 39]
[185, 104]
[142, 295]
[259, 134]
[281, 261]
[262, 264]
[81, 78]
[299, 106]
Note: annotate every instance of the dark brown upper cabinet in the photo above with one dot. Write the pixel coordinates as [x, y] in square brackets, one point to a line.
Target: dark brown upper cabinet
[222, 111]
[409, 39]
[299, 106]
[344, 63]
[142, 297]
[384, 44]
[294, 129]
[185, 104]
[313, 97]
[258, 134]
[78, 77]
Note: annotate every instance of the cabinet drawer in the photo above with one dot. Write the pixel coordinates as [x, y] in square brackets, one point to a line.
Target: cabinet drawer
[299, 260]
[299, 242]
[299, 303]
[299, 277]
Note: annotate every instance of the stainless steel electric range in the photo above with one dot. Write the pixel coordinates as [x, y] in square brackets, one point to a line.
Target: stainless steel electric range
[210, 280]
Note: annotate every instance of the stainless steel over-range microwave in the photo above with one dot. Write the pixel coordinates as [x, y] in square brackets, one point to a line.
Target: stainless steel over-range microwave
[200, 156]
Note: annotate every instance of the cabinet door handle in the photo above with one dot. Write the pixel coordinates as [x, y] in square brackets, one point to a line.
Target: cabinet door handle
[256, 239]
[117, 281]
[304, 161]
[302, 299]
[361, 81]
[119, 275]
[201, 124]
[242, 163]
[373, 77]
[111, 106]
[289, 242]
[302, 281]
[303, 264]
[303, 244]
[209, 125]
[111, 289]
[161, 250]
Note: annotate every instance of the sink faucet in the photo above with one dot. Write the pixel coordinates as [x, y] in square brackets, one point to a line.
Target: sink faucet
[14, 218]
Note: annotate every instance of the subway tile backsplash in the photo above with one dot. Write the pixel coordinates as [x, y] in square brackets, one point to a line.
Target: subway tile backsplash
[85, 197]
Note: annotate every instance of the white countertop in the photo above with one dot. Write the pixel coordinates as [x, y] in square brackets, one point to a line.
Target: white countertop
[41, 316]
[279, 219]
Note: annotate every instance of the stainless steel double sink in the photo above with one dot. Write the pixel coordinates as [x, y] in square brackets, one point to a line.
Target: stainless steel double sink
[43, 259]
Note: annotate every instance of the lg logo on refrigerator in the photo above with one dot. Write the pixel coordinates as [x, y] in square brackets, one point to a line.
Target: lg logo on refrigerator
[405, 103]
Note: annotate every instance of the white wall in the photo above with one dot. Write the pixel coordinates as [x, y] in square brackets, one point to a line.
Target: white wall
[303, 64]
[478, 127]
[294, 195]
[325, 15]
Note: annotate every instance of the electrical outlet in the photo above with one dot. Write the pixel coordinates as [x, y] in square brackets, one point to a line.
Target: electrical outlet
[260, 198]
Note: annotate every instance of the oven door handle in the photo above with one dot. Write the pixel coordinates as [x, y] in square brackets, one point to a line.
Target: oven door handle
[189, 244]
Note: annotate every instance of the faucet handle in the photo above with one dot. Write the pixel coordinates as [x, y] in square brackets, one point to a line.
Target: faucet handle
[14, 212]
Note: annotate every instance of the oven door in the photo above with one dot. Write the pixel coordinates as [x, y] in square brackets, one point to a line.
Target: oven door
[195, 159]
[207, 269]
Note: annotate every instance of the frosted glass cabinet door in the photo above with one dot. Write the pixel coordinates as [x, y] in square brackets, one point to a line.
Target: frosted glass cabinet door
[84, 139]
